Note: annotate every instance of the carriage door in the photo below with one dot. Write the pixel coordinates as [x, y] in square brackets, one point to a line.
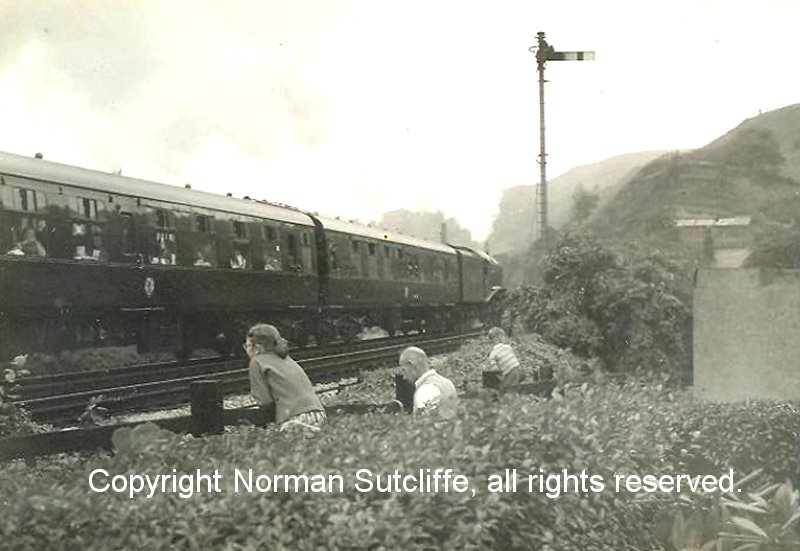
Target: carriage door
[306, 252]
[372, 261]
[128, 245]
[127, 234]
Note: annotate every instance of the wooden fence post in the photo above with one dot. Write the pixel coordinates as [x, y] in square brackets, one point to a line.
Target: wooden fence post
[206, 407]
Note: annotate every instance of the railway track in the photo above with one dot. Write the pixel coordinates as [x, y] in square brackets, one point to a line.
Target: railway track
[62, 399]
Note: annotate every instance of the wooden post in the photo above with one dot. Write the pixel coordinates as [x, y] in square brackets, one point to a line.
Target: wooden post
[493, 380]
[404, 393]
[206, 407]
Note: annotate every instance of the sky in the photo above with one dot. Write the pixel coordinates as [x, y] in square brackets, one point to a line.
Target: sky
[358, 107]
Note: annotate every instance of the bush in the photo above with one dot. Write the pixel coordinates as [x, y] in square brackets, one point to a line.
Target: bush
[636, 427]
[14, 420]
[633, 427]
[89, 359]
[632, 311]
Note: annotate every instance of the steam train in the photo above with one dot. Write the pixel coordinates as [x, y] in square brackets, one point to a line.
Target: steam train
[127, 261]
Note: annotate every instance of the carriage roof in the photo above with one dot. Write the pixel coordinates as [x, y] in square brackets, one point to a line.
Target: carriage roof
[48, 171]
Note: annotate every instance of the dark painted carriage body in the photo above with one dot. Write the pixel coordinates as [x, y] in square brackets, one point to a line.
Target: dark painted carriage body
[129, 259]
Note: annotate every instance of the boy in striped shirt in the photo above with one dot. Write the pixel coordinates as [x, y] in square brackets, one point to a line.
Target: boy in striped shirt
[503, 359]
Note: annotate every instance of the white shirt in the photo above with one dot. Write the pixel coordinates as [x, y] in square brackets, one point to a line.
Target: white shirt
[435, 392]
[427, 395]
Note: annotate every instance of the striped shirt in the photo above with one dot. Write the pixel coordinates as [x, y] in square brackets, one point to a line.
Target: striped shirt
[502, 356]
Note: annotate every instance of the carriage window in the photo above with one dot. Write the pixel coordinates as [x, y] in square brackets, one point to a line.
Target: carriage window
[165, 248]
[163, 218]
[238, 260]
[269, 233]
[438, 270]
[239, 230]
[204, 256]
[371, 248]
[87, 238]
[29, 200]
[127, 244]
[354, 244]
[387, 251]
[203, 223]
[89, 208]
[272, 257]
[334, 262]
[83, 207]
[304, 239]
[204, 246]
[294, 257]
[413, 267]
[27, 238]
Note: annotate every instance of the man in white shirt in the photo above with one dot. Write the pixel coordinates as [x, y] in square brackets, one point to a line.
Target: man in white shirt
[433, 392]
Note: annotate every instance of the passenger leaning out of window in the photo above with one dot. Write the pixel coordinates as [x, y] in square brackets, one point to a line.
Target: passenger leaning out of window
[200, 260]
[29, 246]
[238, 261]
[275, 378]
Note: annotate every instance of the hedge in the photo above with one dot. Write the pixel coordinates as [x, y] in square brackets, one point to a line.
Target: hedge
[629, 428]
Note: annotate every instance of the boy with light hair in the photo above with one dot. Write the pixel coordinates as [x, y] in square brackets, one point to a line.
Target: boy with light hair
[503, 359]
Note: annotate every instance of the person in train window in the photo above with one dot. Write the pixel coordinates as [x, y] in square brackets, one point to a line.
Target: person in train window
[276, 379]
[238, 261]
[272, 259]
[29, 246]
[200, 260]
[161, 250]
[82, 253]
[503, 359]
[433, 391]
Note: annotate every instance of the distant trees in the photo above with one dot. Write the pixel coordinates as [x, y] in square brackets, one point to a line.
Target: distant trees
[777, 246]
[513, 228]
[583, 204]
[426, 225]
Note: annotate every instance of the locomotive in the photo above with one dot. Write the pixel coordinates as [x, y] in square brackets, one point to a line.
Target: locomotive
[123, 260]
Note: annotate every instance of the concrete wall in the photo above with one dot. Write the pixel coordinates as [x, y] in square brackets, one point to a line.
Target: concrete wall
[747, 334]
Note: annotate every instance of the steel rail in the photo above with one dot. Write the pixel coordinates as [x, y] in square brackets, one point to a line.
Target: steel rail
[66, 383]
[67, 407]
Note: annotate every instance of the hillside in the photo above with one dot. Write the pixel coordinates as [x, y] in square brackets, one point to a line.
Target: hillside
[513, 226]
[753, 170]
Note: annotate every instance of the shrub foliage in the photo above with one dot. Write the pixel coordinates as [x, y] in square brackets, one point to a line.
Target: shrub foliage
[630, 310]
[602, 429]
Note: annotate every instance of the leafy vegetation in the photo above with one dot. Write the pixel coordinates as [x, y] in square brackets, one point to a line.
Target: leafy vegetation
[602, 428]
[426, 225]
[89, 359]
[632, 311]
[583, 204]
[753, 170]
[766, 520]
[14, 420]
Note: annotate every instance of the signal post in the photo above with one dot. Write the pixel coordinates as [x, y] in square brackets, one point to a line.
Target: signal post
[544, 53]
